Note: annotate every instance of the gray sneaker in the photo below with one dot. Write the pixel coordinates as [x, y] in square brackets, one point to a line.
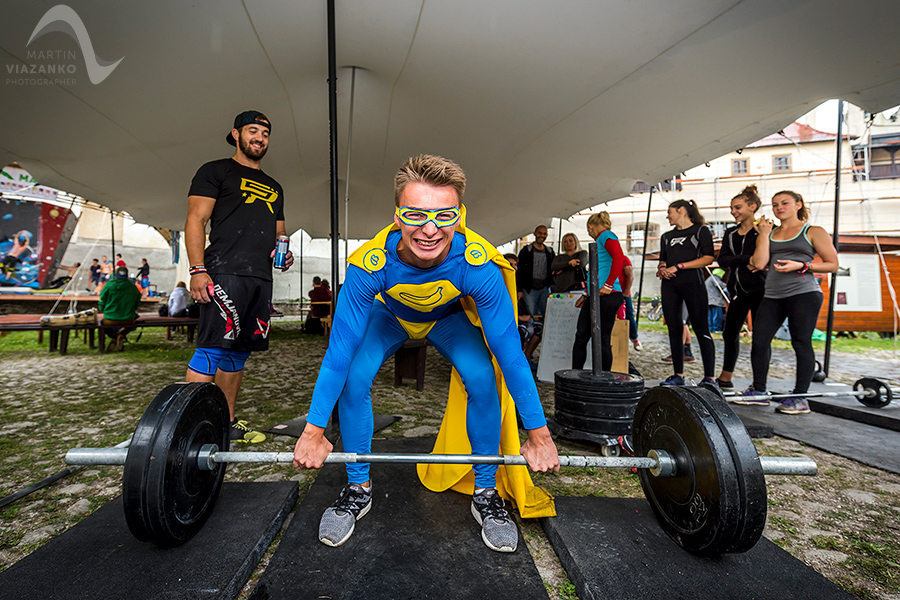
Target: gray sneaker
[339, 519]
[498, 530]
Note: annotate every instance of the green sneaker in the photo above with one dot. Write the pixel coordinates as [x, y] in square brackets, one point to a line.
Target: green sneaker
[242, 434]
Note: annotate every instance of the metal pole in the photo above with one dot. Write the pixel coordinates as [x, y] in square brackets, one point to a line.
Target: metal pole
[333, 167]
[333, 152]
[112, 237]
[596, 344]
[301, 272]
[637, 313]
[832, 290]
[559, 244]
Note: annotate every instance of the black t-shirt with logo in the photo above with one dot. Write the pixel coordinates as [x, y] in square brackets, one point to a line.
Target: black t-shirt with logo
[242, 228]
[684, 245]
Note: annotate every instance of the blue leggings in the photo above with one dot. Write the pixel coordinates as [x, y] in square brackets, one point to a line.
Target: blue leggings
[458, 341]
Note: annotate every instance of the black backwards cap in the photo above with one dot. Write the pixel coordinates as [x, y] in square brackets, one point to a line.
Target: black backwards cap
[246, 118]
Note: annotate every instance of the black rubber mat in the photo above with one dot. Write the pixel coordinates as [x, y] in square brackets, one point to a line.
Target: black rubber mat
[295, 427]
[613, 548]
[98, 558]
[412, 544]
[867, 444]
[886, 417]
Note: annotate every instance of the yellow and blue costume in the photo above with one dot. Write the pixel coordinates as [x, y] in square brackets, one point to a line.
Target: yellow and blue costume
[457, 305]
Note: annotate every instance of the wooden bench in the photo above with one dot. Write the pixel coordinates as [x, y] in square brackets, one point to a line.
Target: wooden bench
[154, 320]
[59, 335]
[409, 361]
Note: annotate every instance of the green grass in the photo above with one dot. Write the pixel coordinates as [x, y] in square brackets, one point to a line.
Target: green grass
[853, 342]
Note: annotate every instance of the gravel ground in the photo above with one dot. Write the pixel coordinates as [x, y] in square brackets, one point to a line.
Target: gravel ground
[843, 523]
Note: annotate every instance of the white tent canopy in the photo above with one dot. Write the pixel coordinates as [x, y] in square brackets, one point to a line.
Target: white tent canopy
[550, 107]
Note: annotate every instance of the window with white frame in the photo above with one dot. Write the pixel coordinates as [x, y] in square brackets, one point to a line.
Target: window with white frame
[781, 163]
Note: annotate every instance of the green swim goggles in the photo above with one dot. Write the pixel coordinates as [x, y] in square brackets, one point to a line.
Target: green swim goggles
[418, 217]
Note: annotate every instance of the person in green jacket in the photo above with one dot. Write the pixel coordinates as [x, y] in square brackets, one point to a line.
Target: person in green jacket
[119, 300]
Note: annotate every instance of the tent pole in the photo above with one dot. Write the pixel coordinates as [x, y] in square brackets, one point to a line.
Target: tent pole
[637, 313]
[832, 290]
[112, 236]
[332, 146]
[333, 166]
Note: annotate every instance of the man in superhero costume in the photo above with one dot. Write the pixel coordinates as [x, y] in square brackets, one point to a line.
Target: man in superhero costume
[428, 276]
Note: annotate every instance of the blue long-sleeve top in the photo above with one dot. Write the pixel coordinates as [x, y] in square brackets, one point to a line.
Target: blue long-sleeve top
[422, 296]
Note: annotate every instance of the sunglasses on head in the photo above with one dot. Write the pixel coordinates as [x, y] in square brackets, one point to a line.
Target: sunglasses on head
[417, 217]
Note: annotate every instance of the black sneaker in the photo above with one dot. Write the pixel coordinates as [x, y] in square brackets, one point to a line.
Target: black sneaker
[498, 530]
[725, 385]
[339, 520]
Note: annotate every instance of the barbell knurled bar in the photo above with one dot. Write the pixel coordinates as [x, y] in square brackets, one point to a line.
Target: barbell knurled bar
[867, 393]
[659, 462]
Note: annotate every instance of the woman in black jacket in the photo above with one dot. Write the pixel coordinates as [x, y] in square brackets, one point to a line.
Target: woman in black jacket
[746, 284]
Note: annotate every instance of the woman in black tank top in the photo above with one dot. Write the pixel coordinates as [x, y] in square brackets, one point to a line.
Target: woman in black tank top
[792, 292]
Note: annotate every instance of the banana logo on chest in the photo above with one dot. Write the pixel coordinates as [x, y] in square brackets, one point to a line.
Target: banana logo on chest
[424, 297]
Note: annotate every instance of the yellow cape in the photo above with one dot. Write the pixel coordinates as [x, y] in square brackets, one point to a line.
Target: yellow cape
[513, 482]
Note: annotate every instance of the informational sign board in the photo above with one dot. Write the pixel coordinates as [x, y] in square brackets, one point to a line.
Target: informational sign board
[858, 286]
[559, 336]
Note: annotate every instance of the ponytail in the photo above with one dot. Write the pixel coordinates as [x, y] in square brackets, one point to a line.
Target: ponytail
[693, 212]
[751, 196]
[602, 219]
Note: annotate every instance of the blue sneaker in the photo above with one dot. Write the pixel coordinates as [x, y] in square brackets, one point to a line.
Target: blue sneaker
[793, 406]
[673, 380]
[709, 381]
[751, 397]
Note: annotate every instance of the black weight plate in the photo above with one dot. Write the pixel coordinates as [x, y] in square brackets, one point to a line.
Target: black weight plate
[700, 506]
[578, 379]
[751, 478]
[167, 497]
[601, 393]
[601, 397]
[883, 393]
[608, 427]
[608, 410]
[139, 455]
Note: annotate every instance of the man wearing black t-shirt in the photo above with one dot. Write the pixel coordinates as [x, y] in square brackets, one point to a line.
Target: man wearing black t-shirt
[232, 278]
[533, 277]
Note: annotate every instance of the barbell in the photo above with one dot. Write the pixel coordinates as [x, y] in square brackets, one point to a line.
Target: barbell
[869, 391]
[697, 465]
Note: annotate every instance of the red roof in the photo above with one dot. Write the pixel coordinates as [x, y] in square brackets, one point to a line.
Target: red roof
[795, 132]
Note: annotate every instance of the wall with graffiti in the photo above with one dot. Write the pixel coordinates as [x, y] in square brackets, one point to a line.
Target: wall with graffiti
[33, 239]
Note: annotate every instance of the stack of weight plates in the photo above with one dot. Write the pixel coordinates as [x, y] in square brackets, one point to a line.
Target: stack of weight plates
[595, 408]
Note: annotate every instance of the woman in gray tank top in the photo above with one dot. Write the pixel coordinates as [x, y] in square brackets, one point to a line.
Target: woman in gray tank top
[792, 292]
